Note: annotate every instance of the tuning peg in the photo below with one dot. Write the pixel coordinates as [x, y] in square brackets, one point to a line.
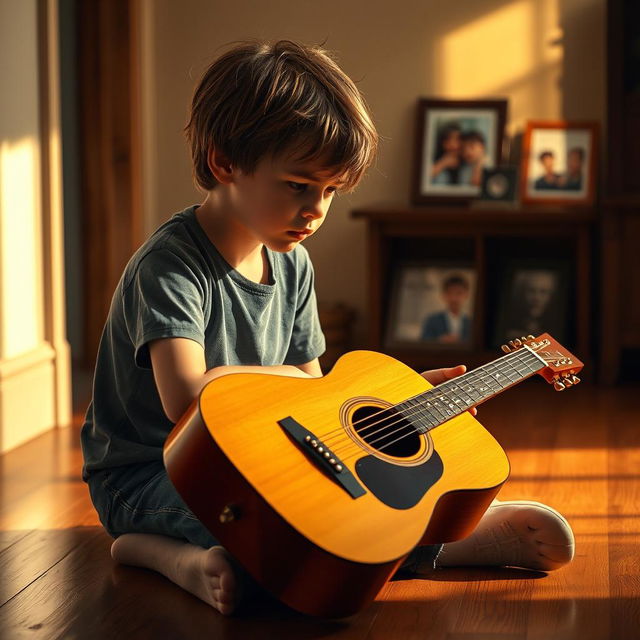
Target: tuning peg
[558, 386]
[515, 344]
[531, 337]
[574, 379]
[567, 381]
[506, 348]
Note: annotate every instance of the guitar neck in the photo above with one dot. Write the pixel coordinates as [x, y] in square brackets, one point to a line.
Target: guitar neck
[451, 398]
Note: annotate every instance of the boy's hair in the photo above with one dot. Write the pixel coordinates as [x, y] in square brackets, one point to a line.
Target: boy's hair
[455, 280]
[260, 99]
[545, 154]
[473, 136]
[579, 151]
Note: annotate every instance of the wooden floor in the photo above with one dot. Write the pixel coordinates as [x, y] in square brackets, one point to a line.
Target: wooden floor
[578, 451]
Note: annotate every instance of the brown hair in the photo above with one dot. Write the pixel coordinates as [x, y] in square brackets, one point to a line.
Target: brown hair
[260, 99]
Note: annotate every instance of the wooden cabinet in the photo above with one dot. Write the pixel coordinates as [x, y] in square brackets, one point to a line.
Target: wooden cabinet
[487, 239]
[620, 226]
[620, 290]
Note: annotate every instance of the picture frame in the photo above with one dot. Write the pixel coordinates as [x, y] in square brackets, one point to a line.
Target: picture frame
[422, 294]
[500, 184]
[455, 139]
[558, 164]
[533, 298]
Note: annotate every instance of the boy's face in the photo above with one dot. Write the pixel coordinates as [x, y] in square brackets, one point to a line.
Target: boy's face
[451, 144]
[574, 162]
[547, 163]
[455, 296]
[282, 198]
[472, 150]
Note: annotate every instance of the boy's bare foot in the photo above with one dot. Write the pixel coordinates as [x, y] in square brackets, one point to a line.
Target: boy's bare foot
[206, 573]
[518, 533]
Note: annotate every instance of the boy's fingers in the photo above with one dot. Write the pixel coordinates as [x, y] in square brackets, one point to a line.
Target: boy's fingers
[436, 376]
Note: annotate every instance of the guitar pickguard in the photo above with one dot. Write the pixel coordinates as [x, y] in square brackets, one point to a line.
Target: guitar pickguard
[399, 487]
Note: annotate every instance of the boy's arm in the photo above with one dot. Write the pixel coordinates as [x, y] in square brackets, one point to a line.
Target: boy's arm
[312, 368]
[180, 372]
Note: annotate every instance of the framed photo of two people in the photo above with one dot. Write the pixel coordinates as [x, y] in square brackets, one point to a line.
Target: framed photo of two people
[456, 140]
[559, 163]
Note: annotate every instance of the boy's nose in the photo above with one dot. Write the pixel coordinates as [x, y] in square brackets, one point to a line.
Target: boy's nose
[313, 211]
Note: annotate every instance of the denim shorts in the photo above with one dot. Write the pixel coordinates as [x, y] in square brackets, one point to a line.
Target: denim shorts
[141, 499]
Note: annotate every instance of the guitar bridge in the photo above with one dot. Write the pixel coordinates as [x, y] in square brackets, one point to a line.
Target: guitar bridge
[322, 457]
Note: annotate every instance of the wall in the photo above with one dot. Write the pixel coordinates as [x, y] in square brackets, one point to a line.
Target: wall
[34, 357]
[545, 56]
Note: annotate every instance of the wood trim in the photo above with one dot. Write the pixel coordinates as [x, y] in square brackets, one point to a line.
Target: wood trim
[43, 353]
[52, 234]
[22, 418]
[111, 192]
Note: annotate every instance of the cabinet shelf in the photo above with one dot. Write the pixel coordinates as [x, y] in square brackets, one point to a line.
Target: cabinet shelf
[487, 239]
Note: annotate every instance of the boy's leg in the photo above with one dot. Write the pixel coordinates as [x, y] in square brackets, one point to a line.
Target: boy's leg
[206, 573]
[519, 533]
[155, 529]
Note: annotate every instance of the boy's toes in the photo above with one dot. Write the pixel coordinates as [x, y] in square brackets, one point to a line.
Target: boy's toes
[551, 539]
[560, 554]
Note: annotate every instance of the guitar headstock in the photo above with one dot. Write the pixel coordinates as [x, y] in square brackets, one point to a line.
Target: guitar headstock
[562, 366]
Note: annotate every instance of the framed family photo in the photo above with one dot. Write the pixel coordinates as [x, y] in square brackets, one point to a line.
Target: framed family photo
[559, 162]
[432, 304]
[455, 141]
[533, 299]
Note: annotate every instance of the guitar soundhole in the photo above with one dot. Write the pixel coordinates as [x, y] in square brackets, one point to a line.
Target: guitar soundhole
[386, 431]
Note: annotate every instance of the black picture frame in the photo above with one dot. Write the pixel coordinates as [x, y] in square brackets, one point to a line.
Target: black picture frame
[417, 305]
[533, 298]
[500, 184]
[456, 133]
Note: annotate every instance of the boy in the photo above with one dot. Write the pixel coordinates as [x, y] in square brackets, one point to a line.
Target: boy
[222, 287]
[550, 179]
[473, 158]
[450, 325]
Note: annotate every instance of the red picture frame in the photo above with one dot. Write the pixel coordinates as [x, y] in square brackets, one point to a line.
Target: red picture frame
[559, 163]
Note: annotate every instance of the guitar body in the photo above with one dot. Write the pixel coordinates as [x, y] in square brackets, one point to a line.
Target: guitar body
[325, 543]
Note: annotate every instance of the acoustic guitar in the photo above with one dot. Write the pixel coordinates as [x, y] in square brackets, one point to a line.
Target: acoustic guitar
[321, 487]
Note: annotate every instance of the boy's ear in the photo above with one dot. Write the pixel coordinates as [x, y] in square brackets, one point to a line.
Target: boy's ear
[220, 166]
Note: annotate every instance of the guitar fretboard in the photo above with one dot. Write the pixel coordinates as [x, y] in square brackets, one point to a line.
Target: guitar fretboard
[451, 398]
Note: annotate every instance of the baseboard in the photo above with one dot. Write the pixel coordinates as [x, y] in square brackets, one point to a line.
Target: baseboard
[27, 396]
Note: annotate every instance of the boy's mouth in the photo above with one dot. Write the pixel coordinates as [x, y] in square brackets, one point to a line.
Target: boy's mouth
[300, 235]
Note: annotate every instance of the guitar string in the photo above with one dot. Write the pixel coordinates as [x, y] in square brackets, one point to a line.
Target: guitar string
[412, 431]
[409, 431]
[433, 395]
[442, 389]
[440, 420]
[430, 427]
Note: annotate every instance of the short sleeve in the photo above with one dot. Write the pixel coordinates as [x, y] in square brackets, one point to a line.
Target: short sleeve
[163, 299]
[307, 340]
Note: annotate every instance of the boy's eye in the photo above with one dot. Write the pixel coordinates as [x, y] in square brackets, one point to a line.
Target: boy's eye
[301, 187]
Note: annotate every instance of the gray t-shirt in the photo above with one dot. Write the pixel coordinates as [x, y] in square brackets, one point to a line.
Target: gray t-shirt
[177, 284]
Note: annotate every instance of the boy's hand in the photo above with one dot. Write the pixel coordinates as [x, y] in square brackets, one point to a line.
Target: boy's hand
[437, 376]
